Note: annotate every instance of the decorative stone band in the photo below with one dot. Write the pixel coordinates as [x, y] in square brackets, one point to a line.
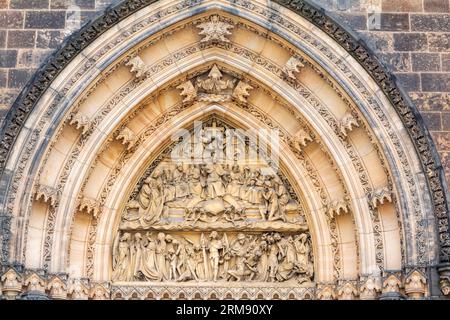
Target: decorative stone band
[23, 106]
[16, 283]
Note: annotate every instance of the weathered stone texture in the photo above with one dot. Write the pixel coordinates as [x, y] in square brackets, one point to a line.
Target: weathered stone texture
[412, 39]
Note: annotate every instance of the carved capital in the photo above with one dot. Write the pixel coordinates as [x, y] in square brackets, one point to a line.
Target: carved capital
[79, 289]
[444, 278]
[57, 288]
[391, 287]
[369, 289]
[347, 291]
[35, 283]
[415, 285]
[100, 291]
[326, 293]
[11, 283]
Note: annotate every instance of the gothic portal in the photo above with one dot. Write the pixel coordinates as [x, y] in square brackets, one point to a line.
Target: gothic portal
[219, 150]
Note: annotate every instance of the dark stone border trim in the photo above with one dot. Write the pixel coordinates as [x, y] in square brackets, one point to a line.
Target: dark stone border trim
[410, 116]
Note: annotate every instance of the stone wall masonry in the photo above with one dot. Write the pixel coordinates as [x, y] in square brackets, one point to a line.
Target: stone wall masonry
[412, 37]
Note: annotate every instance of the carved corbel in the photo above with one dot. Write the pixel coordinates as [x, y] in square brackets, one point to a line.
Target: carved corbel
[347, 291]
[80, 121]
[128, 138]
[215, 30]
[79, 289]
[292, 66]
[380, 196]
[46, 193]
[57, 288]
[347, 124]
[100, 291]
[138, 67]
[11, 283]
[91, 206]
[369, 289]
[188, 91]
[415, 285]
[335, 208]
[326, 293]
[241, 92]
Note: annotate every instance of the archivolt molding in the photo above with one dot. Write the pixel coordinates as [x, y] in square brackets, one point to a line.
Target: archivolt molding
[30, 98]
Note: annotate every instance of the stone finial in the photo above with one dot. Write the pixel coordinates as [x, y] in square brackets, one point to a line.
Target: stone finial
[335, 208]
[188, 91]
[415, 285]
[92, 206]
[347, 291]
[241, 92]
[78, 289]
[347, 124]
[11, 283]
[369, 289]
[292, 66]
[138, 67]
[380, 196]
[57, 288]
[80, 121]
[326, 293]
[99, 292]
[46, 193]
[215, 30]
[128, 137]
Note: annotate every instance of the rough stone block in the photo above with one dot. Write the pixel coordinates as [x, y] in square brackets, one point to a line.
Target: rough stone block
[2, 38]
[11, 20]
[49, 39]
[445, 61]
[410, 42]
[442, 140]
[379, 41]
[29, 4]
[436, 82]
[430, 22]
[8, 58]
[436, 5]
[439, 42]
[431, 101]
[3, 78]
[18, 78]
[357, 21]
[8, 96]
[394, 22]
[32, 58]
[401, 5]
[45, 20]
[397, 62]
[3, 4]
[64, 4]
[409, 81]
[21, 39]
[432, 120]
[446, 121]
[425, 62]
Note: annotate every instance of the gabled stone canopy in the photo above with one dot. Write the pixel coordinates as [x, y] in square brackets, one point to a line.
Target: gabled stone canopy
[87, 132]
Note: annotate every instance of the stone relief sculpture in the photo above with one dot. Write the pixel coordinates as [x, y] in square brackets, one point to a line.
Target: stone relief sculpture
[214, 257]
[215, 30]
[213, 220]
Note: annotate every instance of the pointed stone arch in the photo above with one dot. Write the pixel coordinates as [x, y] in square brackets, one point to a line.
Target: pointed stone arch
[83, 119]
